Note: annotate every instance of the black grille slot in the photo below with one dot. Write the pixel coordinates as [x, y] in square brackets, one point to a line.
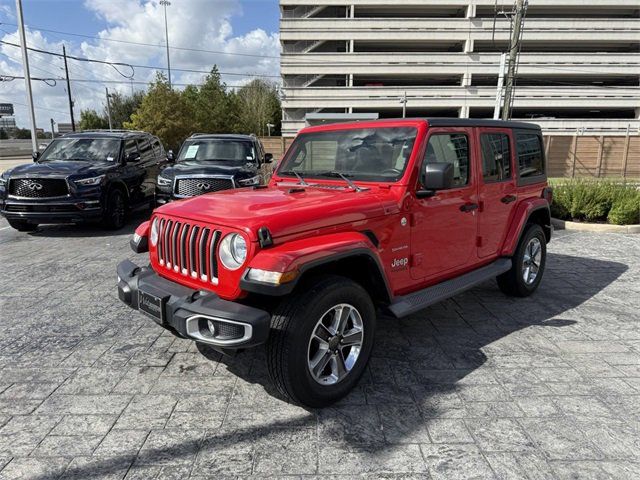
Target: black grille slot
[191, 187]
[189, 249]
[41, 208]
[38, 187]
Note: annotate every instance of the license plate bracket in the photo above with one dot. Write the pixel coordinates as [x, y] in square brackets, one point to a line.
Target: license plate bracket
[152, 305]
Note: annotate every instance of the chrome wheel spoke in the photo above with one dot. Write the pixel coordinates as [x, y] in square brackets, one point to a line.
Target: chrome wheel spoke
[322, 333]
[345, 313]
[340, 367]
[319, 362]
[353, 337]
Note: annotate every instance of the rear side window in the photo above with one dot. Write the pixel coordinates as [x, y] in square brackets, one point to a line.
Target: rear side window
[450, 148]
[530, 154]
[496, 157]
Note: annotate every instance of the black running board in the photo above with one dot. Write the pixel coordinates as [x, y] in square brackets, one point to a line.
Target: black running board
[415, 301]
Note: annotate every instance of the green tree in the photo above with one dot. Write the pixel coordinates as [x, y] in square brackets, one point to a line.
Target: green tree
[209, 104]
[122, 107]
[254, 106]
[3, 134]
[163, 112]
[92, 120]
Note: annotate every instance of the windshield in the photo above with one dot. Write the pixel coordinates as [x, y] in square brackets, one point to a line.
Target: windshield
[218, 150]
[82, 149]
[367, 154]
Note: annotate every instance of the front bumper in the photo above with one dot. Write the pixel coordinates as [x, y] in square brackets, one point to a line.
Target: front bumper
[67, 210]
[190, 313]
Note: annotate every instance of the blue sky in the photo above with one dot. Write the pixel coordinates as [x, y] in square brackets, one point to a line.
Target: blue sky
[235, 27]
[73, 16]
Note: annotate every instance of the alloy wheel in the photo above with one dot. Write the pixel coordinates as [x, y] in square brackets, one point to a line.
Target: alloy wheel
[531, 261]
[335, 344]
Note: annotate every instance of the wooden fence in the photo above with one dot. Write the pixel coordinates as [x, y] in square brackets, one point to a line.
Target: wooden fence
[567, 156]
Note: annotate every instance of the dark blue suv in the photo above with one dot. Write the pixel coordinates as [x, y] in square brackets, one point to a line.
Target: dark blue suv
[90, 176]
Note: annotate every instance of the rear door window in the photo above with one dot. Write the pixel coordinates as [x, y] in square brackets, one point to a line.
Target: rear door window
[146, 152]
[530, 154]
[496, 157]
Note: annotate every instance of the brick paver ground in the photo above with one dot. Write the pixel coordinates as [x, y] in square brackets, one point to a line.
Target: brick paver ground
[480, 386]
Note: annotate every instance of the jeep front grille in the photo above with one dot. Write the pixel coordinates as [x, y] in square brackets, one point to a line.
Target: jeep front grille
[38, 187]
[189, 249]
[190, 187]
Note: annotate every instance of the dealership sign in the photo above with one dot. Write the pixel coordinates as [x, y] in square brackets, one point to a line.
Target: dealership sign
[6, 108]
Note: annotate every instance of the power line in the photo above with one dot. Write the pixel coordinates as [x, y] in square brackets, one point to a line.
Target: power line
[133, 66]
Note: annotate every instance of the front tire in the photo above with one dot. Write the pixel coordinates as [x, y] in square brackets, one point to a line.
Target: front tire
[528, 264]
[321, 340]
[115, 210]
[23, 226]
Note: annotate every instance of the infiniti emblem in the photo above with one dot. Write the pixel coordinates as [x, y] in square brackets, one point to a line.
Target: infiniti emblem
[203, 186]
[33, 186]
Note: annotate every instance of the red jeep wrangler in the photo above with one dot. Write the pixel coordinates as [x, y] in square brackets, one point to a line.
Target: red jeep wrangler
[390, 215]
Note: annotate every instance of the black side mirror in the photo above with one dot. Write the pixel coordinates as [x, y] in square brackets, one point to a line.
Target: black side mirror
[268, 157]
[133, 157]
[36, 156]
[171, 157]
[436, 176]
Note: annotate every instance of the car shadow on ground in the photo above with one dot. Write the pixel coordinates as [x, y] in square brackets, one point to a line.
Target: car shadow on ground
[418, 367]
[92, 229]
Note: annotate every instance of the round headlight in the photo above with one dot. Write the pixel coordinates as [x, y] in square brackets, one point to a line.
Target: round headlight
[154, 232]
[233, 251]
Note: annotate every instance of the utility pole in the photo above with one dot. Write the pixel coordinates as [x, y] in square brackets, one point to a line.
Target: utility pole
[514, 51]
[165, 4]
[496, 110]
[27, 76]
[53, 135]
[66, 71]
[108, 108]
[403, 101]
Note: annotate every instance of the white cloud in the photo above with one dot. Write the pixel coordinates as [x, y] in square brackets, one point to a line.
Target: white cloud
[198, 24]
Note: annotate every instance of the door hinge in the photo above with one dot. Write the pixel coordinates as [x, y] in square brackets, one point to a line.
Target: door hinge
[416, 259]
[478, 241]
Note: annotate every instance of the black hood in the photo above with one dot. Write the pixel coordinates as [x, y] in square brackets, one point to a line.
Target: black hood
[237, 169]
[61, 169]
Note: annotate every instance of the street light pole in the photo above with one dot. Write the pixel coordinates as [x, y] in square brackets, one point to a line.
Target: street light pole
[108, 108]
[165, 4]
[27, 75]
[66, 72]
[403, 101]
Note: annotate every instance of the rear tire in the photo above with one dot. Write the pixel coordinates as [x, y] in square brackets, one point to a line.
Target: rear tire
[528, 265]
[315, 371]
[23, 226]
[115, 210]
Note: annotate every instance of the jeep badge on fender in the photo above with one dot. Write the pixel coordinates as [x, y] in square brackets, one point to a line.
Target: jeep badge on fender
[303, 264]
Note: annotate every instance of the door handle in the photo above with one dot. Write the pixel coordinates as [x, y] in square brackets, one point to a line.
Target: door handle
[468, 207]
[508, 199]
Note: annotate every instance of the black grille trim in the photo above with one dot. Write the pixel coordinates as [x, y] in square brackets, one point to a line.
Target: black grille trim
[38, 187]
[190, 187]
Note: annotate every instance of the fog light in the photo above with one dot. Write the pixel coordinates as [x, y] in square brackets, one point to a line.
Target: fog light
[212, 328]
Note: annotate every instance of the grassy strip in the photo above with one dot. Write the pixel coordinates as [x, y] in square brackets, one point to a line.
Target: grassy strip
[599, 201]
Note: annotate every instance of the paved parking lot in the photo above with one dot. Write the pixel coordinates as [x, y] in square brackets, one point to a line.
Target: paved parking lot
[480, 386]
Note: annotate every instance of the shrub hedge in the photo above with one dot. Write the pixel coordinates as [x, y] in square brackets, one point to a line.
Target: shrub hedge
[596, 201]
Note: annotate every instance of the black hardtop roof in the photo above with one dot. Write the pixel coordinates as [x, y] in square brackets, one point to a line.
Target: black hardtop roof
[477, 122]
[116, 134]
[225, 136]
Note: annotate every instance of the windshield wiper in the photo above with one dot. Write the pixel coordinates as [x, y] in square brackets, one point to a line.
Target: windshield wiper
[298, 176]
[343, 177]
